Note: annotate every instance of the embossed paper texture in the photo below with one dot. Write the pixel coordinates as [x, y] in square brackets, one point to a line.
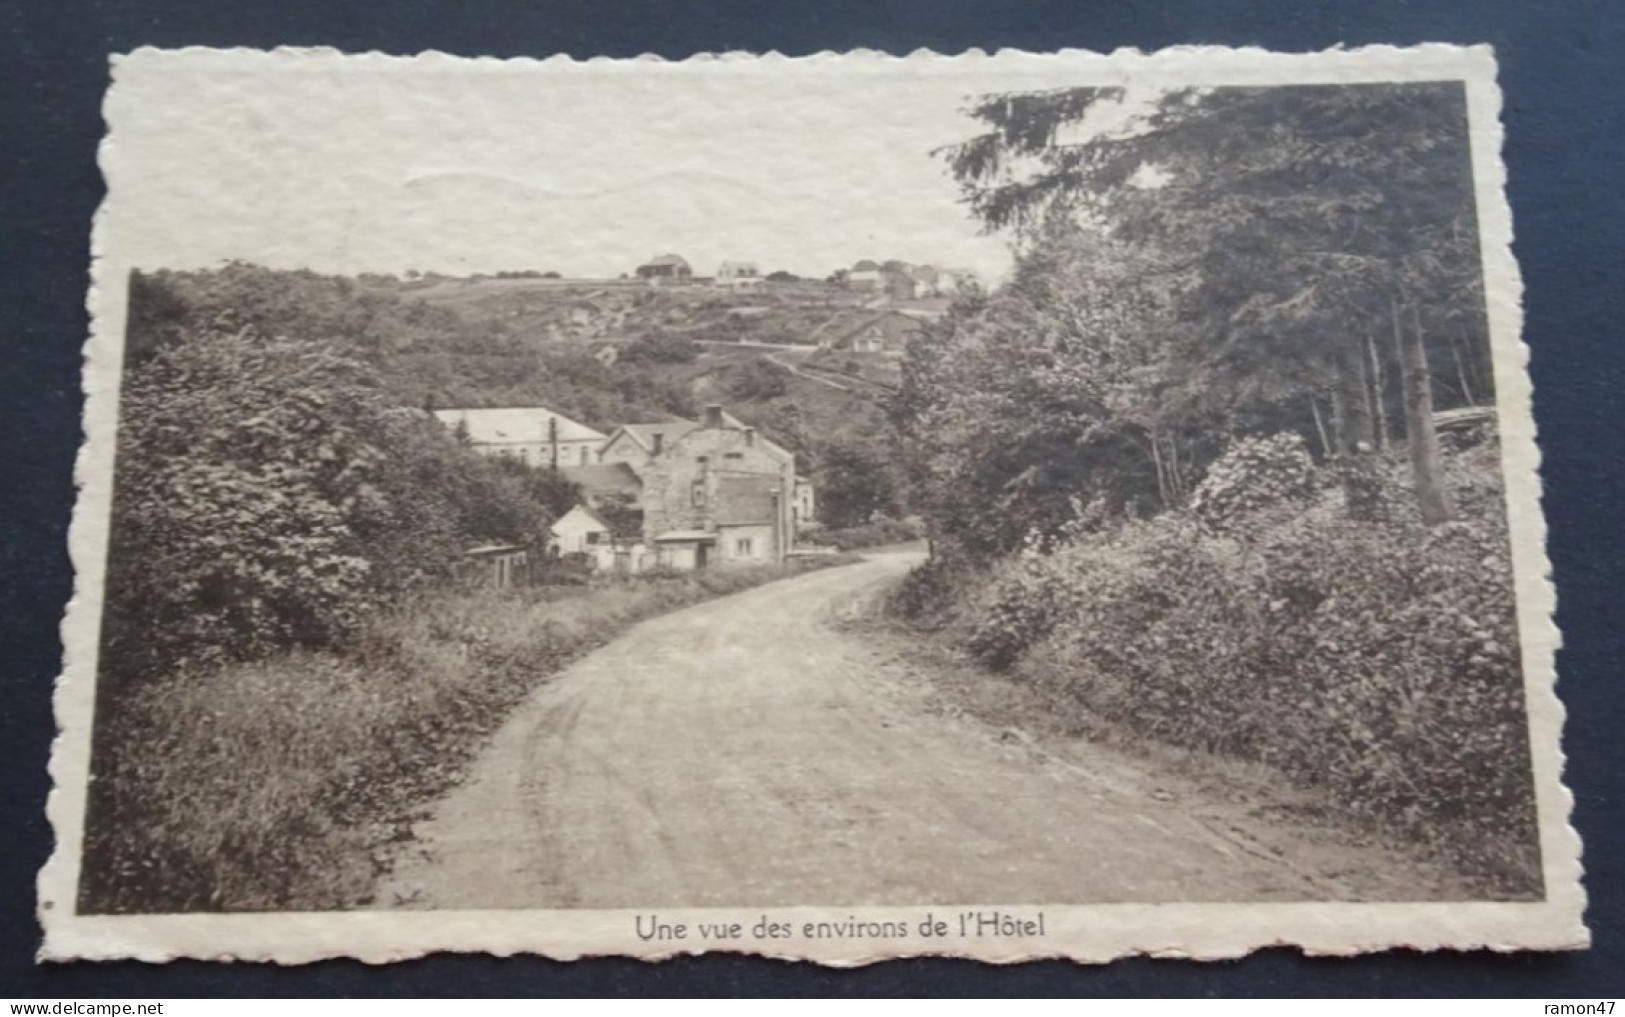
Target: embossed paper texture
[840, 508]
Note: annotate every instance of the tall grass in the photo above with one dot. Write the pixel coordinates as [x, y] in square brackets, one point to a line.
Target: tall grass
[280, 784]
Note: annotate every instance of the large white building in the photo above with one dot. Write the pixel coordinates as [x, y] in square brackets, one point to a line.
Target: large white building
[531, 434]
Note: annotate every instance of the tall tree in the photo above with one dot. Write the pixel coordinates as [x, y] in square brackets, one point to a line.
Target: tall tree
[1291, 221]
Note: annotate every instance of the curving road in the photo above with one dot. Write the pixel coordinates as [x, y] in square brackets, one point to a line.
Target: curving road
[746, 751]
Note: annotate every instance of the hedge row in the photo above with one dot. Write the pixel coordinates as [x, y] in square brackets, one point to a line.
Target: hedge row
[1378, 661]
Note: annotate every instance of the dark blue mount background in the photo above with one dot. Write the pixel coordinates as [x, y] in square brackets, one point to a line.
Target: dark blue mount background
[1563, 71]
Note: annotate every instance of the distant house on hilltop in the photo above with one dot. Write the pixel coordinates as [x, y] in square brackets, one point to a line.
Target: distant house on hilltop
[895, 279]
[533, 435]
[926, 280]
[738, 275]
[667, 268]
[866, 279]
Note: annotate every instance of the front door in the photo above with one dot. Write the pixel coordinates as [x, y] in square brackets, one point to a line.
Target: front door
[701, 553]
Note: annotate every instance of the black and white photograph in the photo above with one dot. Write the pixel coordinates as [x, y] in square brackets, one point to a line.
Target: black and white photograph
[838, 508]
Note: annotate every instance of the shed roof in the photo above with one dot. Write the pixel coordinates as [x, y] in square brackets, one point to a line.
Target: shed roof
[582, 510]
[694, 536]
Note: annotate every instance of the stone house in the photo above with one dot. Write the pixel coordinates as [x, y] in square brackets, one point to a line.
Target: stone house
[635, 446]
[717, 494]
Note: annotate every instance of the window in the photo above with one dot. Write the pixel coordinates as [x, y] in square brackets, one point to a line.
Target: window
[733, 455]
[586, 455]
[594, 537]
[743, 547]
[699, 493]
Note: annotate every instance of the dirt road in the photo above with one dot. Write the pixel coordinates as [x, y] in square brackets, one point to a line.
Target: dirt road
[750, 751]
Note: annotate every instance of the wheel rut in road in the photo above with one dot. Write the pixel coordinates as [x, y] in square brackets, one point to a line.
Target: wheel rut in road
[751, 751]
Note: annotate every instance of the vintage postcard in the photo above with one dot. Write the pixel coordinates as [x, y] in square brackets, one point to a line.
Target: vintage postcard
[838, 508]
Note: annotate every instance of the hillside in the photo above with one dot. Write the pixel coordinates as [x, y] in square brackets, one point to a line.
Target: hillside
[638, 352]
[621, 311]
[601, 353]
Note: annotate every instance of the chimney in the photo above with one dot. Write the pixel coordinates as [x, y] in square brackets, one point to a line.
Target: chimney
[713, 416]
[750, 437]
[660, 441]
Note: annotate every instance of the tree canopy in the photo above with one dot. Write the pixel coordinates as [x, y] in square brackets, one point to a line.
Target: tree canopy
[1193, 266]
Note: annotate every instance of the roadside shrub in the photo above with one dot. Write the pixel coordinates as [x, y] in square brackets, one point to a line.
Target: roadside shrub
[267, 497]
[874, 534]
[1017, 608]
[928, 593]
[1254, 473]
[1377, 661]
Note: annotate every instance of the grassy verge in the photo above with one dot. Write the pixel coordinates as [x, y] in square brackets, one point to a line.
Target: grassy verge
[279, 785]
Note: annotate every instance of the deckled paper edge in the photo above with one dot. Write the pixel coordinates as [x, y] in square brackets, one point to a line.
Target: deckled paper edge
[1085, 933]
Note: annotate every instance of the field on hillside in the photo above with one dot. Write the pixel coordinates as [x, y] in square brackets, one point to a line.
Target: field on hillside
[542, 342]
[622, 311]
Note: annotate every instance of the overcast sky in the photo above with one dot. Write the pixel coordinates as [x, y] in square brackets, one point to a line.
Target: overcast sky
[584, 169]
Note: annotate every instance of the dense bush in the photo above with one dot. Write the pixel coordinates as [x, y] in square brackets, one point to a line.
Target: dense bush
[268, 496]
[1254, 473]
[1376, 661]
[341, 746]
[874, 534]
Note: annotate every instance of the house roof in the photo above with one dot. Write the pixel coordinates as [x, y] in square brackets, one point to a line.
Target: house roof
[515, 425]
[583, 510]
[644, 434]
[675, 260]
[493, 550]
[677, 430]
[603, 478]
[699, 536]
